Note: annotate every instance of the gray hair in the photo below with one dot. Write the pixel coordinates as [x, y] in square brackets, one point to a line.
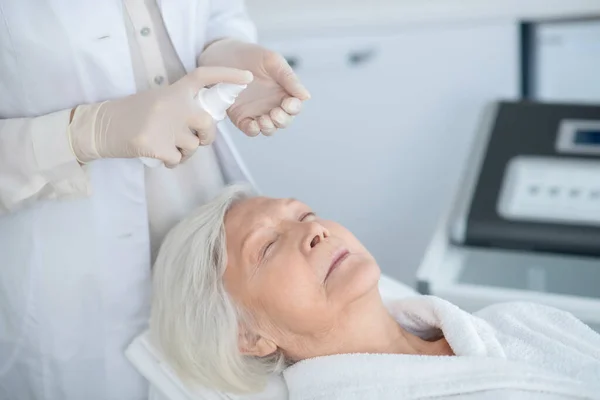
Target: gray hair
[194, 323]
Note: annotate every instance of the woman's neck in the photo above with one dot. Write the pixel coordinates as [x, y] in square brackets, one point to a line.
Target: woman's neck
[376, 331]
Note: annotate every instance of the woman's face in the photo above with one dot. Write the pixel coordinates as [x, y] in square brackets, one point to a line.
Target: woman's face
[299, 276]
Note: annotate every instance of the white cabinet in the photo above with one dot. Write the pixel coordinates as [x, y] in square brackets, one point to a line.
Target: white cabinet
[380, 145]
[566, 65]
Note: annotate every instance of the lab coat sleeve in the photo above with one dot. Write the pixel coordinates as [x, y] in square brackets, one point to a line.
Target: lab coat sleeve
[36, 162]
[229, 19]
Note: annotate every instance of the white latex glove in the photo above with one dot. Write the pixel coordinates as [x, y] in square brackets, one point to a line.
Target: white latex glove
[274, 96]
[167, 123]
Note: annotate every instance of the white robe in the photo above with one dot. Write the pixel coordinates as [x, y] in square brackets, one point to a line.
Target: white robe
[510, 350]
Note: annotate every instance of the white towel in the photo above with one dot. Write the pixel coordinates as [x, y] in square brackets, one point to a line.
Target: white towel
[515, 350]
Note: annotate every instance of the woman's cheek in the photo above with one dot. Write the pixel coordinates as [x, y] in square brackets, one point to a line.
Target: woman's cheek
[341, 232]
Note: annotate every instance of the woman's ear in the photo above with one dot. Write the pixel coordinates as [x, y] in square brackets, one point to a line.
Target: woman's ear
[251, 344]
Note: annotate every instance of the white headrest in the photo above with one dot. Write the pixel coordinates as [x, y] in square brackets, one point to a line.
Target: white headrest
[167, 386]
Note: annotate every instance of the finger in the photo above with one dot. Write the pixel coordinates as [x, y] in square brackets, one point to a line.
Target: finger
[188, 143]
[266, 125]
[285, 76]
[204, 127]
[250, 127]
[208, 136]
[206, 76]
[280, 118]
[185, 156]
[292, 105]
[171, 158]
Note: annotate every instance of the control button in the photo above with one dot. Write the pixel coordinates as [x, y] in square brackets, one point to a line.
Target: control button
[145, 31]
[534, 190]
[574, 192]
[554, 191]
[159, 79]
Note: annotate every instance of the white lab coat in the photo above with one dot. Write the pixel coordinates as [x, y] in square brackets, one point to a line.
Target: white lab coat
[75, 269]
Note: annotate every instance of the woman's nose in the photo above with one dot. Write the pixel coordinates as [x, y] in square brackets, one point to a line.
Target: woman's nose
[316, 240]
[317, 234]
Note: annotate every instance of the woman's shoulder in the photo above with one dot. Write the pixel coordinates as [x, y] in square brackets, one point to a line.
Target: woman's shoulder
[547, 337]
[517, 309]
[538, 323]
[525, 313]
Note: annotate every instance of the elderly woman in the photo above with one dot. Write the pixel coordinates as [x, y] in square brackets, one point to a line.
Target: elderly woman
[248, 286]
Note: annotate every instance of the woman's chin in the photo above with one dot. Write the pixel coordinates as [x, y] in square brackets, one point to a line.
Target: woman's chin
[355, 277]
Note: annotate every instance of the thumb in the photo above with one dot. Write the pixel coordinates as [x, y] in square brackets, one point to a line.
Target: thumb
[171, 158]
[206, 76]
[285, 76]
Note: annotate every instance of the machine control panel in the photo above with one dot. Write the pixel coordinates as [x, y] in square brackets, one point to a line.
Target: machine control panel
[536, 181]
[578, 137]
[547, 189]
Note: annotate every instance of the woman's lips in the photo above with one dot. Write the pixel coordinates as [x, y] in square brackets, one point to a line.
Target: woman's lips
[338, 257]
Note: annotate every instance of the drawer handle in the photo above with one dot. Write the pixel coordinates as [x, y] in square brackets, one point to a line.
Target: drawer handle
[360, 57]
[292, 61]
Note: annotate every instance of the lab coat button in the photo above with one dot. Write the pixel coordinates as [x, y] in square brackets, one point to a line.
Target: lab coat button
[159, 79]
[145, 31]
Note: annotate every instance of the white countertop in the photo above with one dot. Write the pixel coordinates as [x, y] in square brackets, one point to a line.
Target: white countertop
[301, 15]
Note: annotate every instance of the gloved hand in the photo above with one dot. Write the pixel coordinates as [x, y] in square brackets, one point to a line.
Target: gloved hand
[275, 95]
[167, 124]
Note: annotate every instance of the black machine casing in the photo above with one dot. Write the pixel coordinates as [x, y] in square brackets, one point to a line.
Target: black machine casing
[524, 129]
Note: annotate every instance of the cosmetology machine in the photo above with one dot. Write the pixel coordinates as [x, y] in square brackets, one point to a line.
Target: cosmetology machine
[525, 222]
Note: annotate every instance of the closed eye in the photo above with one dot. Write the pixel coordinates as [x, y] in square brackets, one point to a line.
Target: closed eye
[270, 244]
[266, 249]
[307, 216]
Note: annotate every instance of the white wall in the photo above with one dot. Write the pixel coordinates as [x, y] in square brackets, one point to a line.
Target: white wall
[567, 63]
[305, 15]
[380, 146]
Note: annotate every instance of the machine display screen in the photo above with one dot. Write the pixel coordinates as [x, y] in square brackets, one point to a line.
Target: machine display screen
[590, 137]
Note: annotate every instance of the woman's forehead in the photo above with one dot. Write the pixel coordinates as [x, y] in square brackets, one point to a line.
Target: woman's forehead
[250, 215]
[261, 207]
